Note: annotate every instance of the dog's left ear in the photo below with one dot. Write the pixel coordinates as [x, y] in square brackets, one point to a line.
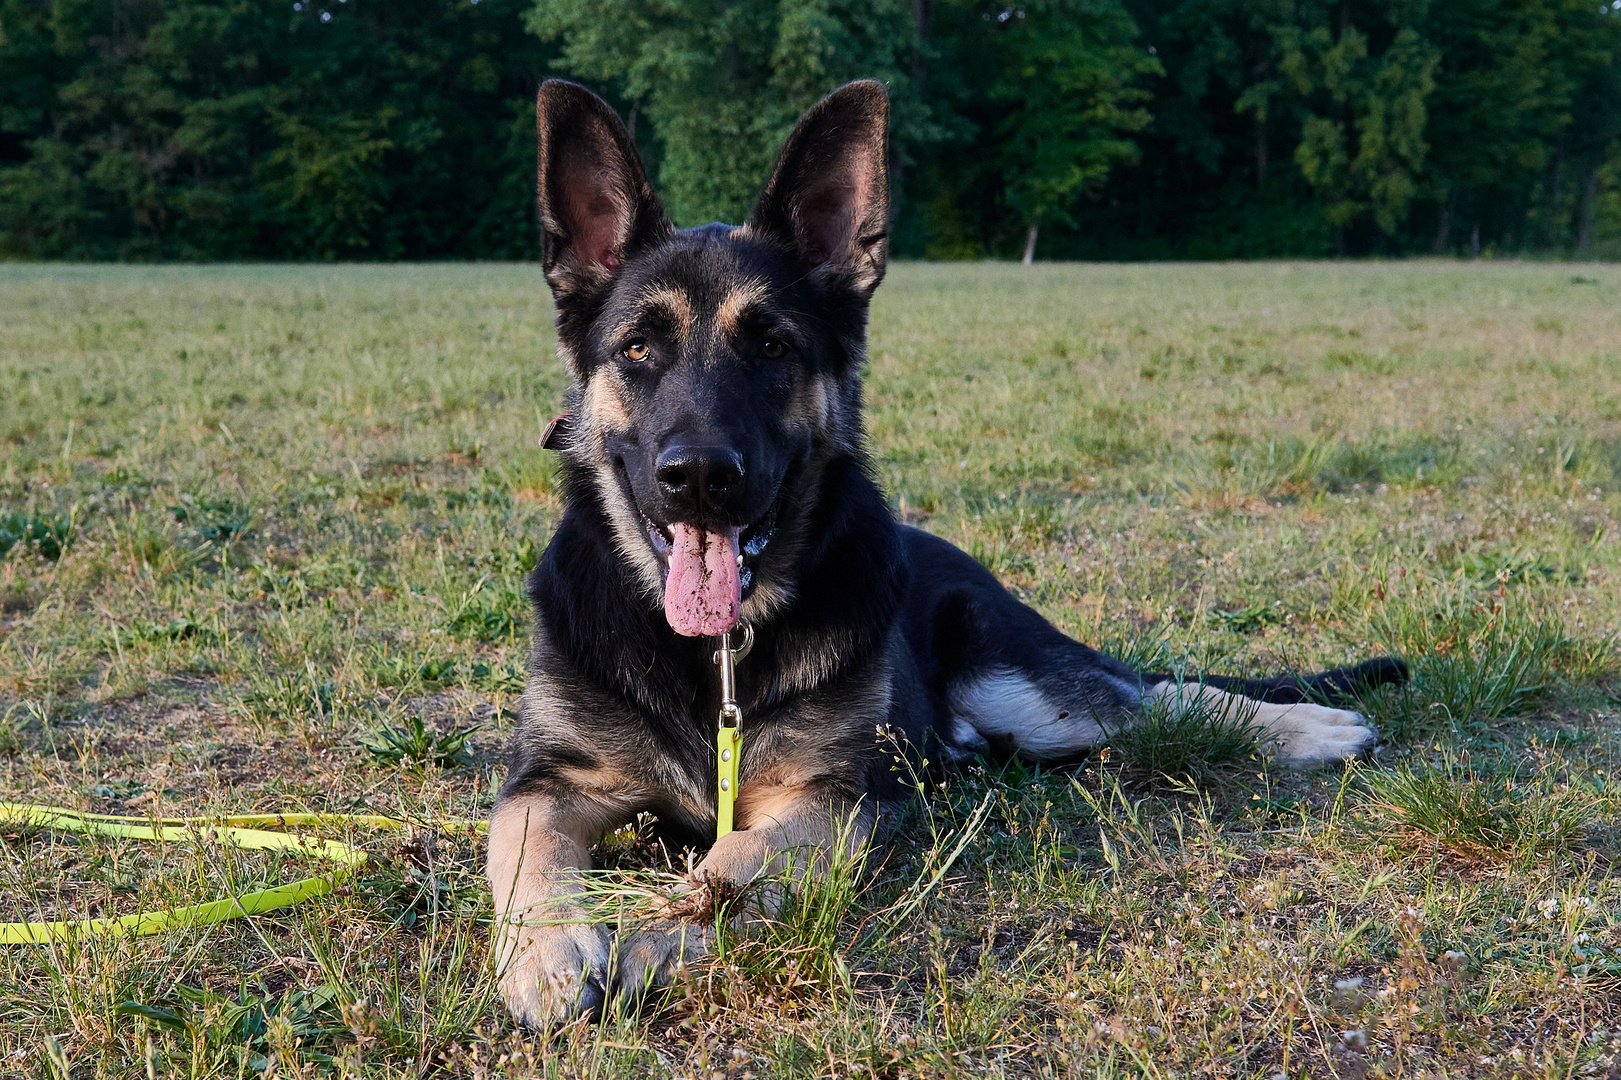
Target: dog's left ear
[828, 197]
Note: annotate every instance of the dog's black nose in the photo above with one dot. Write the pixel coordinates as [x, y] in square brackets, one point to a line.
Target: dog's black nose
[696, 478]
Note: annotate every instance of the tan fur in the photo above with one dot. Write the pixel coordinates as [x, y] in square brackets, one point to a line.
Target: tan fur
[677, 304]
[605, 411]
[767, 599]
[602, 406]
[603, 783]
[545, 951]
[566, 354]
[766, 801]
[729, 313]
[654, 955]
[812, 405]
[804, 832]
[1300, 735]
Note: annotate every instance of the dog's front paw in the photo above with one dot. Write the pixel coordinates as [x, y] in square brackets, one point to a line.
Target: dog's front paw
[1313, 735]
[551, 974]
[651, 958]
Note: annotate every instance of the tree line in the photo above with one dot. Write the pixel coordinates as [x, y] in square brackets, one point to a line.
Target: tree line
[388, 129]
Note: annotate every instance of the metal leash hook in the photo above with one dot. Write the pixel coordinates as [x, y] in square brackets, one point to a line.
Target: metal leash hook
[728, 728]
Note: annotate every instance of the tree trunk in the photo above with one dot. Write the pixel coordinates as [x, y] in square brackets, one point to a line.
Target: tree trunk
[1474, 241]
[923, 19]
[1555, 181]
[1443, 228]
[1260, 151]
[1584, 231]
[1030, 245]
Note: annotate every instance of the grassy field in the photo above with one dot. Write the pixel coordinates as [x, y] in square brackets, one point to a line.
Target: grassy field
[264, 531]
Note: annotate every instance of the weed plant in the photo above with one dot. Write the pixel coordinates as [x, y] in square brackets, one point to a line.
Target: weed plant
[414, 744]
[1475, 816]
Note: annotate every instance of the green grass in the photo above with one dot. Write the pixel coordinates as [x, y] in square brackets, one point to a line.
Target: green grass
[1478, 816]
[1186, 736]
[254, 518]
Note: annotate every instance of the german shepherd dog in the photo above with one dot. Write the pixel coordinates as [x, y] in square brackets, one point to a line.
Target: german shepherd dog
[715, 470]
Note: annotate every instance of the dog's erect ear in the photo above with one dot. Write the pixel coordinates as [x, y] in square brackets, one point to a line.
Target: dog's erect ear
[828, 197]
[596, 206]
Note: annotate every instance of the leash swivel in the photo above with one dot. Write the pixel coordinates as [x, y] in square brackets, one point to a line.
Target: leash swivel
[729, 725]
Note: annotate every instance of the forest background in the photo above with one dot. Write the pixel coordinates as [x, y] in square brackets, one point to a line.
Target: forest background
[1074, 129]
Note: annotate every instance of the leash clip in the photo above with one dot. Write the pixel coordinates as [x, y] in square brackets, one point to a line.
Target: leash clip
[728, 658]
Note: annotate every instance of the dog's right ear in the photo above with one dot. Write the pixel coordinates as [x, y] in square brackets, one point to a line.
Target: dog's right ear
[596, 206]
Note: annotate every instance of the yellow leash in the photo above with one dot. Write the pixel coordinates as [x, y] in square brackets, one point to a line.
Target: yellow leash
[242, 831]
[239, 830]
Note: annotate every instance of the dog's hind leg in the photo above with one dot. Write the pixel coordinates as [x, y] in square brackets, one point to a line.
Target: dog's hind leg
[1300, 735]
[1061, 698]
[998, 672]
[1001, 677]
[1295, 715]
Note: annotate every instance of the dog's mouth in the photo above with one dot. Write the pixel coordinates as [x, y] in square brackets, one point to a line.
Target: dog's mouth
[708, 572]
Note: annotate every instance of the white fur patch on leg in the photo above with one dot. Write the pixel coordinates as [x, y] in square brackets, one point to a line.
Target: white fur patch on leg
[1005, 703]
[1300, 736]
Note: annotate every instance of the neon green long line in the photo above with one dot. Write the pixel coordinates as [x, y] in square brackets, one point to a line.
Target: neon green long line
[236, 830]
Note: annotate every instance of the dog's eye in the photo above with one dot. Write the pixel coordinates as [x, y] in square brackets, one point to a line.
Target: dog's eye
[773, 350]
[636, 351]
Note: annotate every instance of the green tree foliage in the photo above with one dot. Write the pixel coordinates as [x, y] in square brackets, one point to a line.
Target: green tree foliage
[722, 81]
[1065, 77]
[1503, 109]
[211, 129]
[1033, 106]
[1382, 99]
[1399, 116]
[250, 128]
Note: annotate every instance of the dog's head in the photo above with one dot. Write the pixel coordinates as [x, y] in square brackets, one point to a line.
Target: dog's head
[717, 369]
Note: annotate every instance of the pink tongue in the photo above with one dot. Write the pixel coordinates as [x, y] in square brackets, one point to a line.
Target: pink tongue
[703, 593]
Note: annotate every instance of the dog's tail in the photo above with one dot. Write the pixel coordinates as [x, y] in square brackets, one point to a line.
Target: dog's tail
[1340, 686]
